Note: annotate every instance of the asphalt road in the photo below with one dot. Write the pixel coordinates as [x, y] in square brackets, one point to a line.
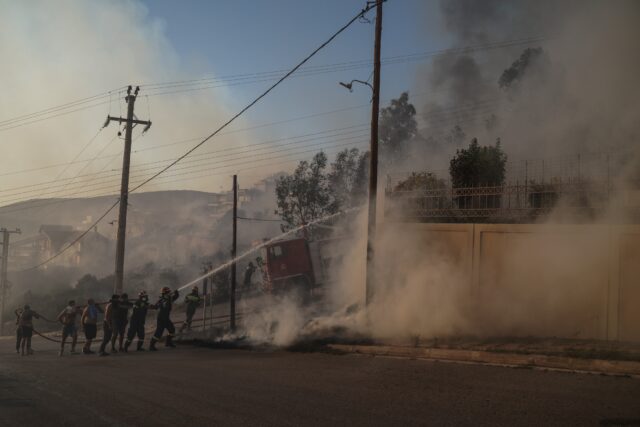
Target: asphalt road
[204, 387]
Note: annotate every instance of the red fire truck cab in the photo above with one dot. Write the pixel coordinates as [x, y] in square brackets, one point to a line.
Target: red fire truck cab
[300, 265]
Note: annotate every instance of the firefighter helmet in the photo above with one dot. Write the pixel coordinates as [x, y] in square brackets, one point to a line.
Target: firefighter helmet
[165, 290]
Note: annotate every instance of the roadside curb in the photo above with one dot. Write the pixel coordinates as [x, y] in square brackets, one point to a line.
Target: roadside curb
[609, 367]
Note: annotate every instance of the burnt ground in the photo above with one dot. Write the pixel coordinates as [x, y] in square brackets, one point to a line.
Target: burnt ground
[197, 386]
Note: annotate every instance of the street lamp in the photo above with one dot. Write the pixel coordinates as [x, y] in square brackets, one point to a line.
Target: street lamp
[350, 84]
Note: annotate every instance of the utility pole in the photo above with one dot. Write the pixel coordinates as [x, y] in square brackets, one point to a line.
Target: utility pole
[3, 273]
[130, 121]
[204, 296]
[232, 308]
[373, 163]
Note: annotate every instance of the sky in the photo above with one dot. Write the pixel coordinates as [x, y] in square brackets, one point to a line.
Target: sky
[73, 49]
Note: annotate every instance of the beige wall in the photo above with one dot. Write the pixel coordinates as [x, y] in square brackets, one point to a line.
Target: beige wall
[574, 281]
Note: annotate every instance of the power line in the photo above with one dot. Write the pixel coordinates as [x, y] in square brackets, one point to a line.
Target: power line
[251, 148]
[251, 78]
[468, 113]
[213, 84]
[62, 113]
[269, 124]
[251, 166]
[258, 219]
[228, 122]
[83, 234]
[278, 82]
[341, 66]
[261, 96]
[58, 107]
[85, 186]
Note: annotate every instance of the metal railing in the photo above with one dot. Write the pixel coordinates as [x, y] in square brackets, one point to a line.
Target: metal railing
[580, 199]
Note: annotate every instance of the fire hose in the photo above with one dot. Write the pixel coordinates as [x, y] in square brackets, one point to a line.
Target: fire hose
[220, 319]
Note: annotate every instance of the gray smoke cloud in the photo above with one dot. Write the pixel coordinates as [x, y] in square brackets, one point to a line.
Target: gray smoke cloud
[577, 97]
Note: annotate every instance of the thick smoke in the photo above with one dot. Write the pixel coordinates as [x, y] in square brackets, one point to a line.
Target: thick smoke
[574, 96]
[577, 98]
[54, 53]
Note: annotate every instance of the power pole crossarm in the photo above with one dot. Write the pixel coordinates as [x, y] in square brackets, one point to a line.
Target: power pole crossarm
[124, 186]
[121, 120]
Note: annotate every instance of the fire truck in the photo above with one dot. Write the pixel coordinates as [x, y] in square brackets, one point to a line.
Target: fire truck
[302, 266]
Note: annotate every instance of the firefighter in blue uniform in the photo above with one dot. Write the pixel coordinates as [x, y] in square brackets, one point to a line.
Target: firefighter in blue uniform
[192, 301]
[163, 306]
[137, 321]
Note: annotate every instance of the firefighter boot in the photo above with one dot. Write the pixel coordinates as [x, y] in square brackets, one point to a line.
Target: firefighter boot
[152, 346]
[127, 343]
[140, 344]
[169, 342]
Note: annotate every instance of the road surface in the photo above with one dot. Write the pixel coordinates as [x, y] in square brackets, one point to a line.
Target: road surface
[192, 386]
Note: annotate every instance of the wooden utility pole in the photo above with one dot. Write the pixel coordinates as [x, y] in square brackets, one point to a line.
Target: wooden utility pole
[3, 273]
[373, 163]
[232, 300]
[124, 187]
[205, 292]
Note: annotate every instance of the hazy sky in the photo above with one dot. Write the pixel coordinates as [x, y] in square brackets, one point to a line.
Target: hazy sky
[54, 53]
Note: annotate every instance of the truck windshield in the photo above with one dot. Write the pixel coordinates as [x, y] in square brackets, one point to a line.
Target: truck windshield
[276, 251]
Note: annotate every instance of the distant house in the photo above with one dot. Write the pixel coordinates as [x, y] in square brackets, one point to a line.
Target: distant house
[51, 239]
[221, 203]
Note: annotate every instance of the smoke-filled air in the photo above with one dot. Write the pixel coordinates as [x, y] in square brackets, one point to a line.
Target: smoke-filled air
[290, 212]
[564, 106]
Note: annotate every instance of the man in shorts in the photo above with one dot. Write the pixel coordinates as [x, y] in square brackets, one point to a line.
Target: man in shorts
[107, 324]
[90, 324]
[68, 320]
[25, 323]
[120, 321]
[18, 312]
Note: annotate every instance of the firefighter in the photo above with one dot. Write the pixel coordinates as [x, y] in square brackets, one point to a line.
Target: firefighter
[120, 320]
[138, 319]
[192, 301]
[248, 273]
[163, 306]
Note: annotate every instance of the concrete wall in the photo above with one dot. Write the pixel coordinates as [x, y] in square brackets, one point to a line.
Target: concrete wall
[573, 281]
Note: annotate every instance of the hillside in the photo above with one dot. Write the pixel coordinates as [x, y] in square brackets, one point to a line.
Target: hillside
[164, 227]
[159, 206]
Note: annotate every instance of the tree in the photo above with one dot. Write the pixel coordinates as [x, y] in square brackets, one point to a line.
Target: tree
[305, 195]
[512, 75]
[397, 128]
[478, 166]
[420, 181]
[348, 178]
